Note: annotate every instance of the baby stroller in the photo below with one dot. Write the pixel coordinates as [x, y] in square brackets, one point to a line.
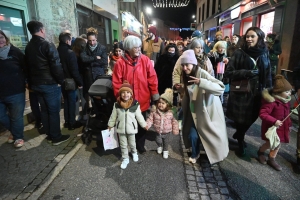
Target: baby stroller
[102, 95]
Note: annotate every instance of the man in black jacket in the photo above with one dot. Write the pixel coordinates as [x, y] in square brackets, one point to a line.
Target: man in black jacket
[45, 77]
[68, 60]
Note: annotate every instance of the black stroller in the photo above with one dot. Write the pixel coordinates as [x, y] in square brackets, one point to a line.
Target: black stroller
[102, 95]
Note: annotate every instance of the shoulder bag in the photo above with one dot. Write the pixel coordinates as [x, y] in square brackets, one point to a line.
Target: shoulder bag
[69, 83]
[240, 86]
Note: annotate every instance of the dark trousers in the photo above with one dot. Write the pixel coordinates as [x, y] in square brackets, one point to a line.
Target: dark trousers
[69, 105]
[140, 137]
[35, 108]
[241, 130]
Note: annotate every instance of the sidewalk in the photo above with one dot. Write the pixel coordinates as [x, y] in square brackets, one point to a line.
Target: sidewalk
[25, 169]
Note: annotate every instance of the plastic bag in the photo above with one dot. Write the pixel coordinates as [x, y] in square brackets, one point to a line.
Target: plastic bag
[110, 139]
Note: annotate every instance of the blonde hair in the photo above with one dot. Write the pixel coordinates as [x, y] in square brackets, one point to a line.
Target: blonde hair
[220, 44]
[91, 31]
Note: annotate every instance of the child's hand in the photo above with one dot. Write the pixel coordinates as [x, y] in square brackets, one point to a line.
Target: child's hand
[278, 123]
[146, 128]
[109, 128]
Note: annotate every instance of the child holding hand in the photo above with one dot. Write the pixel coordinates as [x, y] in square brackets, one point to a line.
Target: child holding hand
[275, 108]
[125, 115]
[164, 122]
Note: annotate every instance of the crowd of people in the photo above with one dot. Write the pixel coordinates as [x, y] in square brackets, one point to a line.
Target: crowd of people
[191, 74]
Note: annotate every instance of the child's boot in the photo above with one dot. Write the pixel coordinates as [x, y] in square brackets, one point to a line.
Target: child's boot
[274, 164]
[261, 157]
[135, 157]
[165, 154]
[124, 163]
[159, 150]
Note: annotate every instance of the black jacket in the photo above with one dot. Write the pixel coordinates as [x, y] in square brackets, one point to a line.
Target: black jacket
[296, 76]
[43, 62]
[12, 79]
[68, 60]
[89, 57]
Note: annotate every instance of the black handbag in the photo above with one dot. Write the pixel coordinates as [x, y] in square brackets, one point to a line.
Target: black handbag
[240, 86]
[70, 84]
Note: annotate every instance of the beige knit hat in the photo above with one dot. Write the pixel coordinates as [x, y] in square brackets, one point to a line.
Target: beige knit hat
[168, 96]
[281, 84]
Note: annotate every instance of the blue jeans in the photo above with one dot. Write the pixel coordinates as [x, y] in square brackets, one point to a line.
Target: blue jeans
[50, 98]
[35, 107]
[11, 114]
[195, 141]
[69, 105]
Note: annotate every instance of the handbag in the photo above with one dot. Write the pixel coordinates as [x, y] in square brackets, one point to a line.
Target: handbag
[70, 84]
[240, 86]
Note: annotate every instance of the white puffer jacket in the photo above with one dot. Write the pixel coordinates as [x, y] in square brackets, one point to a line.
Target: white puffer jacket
[126, 120]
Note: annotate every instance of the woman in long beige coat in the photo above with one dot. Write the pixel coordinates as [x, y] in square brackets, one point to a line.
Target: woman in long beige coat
[203, 115]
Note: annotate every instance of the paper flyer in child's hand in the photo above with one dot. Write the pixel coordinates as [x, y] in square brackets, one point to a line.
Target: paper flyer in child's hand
[110, 140]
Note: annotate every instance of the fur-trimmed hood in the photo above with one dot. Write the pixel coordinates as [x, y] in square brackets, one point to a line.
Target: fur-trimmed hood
[267, 95]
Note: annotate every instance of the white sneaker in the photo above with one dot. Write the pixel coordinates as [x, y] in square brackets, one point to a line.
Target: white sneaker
[124, 163]
[159, 150]
[192, 160]
[135, 157]
[180, 124]
[165, 154]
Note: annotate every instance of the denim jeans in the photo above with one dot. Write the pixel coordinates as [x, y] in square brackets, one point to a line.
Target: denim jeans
[50, 98]
[195, 141]
[11, 114]
[35, 107]
[69, 105]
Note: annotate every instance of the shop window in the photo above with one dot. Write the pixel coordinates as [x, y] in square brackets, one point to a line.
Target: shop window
[207, 9]
[213, 7]
[266, 22]
[203, 9]
[247, 23]
[13, 25]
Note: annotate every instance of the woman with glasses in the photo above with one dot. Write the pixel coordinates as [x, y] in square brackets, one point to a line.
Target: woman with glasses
[138, 70]
[250, 63]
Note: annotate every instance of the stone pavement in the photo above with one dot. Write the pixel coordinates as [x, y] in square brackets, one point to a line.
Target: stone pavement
[23, 170]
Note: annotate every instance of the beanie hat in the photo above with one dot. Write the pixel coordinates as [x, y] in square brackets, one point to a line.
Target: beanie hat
[219, 33]
[168, 96]
[152, 29]
[125, 87]
[197, 34]
[281, 84]
[188, 57]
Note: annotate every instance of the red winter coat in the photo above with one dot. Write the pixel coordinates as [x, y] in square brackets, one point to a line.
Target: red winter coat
[141, 76]
[273, 109]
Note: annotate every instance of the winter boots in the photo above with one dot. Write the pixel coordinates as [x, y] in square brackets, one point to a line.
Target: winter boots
[274, 164]
[261, 157]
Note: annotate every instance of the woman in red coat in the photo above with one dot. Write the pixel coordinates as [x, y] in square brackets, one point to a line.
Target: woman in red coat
[138, 70]
[275, 108]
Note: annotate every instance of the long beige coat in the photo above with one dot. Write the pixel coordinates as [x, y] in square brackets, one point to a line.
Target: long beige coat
[208, 117]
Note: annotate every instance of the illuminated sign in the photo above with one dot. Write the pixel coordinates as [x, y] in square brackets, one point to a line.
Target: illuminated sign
[235, 13]
[16, 21]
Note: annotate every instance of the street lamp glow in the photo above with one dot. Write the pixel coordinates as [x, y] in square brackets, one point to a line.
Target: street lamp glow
[193, 16]
[148, 10]
[154, 23]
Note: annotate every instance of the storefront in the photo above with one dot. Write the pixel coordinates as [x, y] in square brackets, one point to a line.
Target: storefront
[130, 25]
[266, 22]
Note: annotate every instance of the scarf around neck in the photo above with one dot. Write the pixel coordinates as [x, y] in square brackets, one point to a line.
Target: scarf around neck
[4, 52]
[284, 100]
[92, 48]
[125, 104]
[255, 52]
[131, 60]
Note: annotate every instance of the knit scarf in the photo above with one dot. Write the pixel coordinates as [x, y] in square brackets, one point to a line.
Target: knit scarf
[284, 100]
[255, 52]
[92, 48]
[125, 104]
[131, 60]
[115, 58]
[201, 60]
[4, 52]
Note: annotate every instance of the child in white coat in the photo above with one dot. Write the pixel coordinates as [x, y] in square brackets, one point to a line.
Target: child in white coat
[125, 115]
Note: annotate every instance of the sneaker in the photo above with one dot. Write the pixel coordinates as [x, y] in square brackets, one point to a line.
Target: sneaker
[49, 139]
[165, 154]
[159, 150]
[62, 139]
[135, 157]
[10, 139]
[124, 163]
[79, 134]
[19, 143]
[192, 160]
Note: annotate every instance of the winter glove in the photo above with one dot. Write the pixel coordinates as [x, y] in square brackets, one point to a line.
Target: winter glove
[251, 73]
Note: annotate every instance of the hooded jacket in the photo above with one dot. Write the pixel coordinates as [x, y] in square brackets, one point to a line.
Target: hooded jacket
[273, 109]
[141, 75]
